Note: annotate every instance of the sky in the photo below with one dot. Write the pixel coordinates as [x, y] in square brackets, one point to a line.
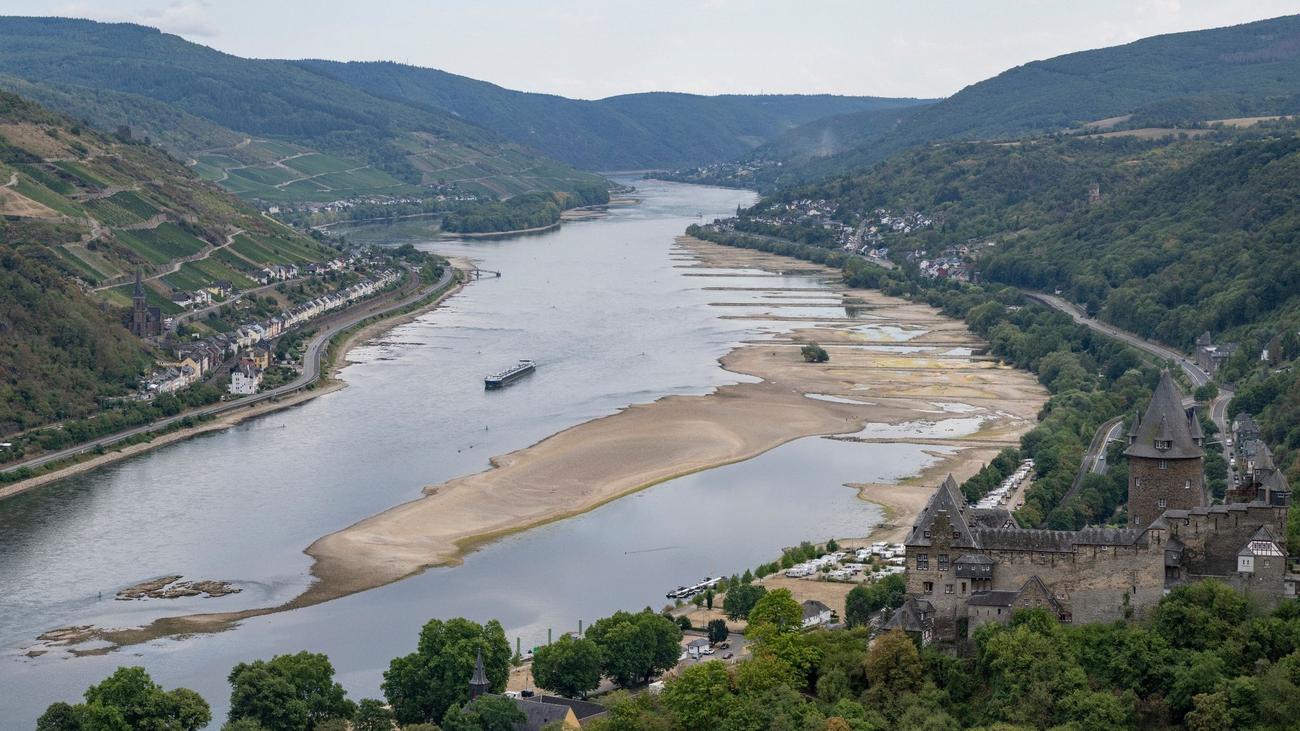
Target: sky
[593, 49]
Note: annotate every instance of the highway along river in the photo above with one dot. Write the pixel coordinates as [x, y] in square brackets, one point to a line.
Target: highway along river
[604, 307]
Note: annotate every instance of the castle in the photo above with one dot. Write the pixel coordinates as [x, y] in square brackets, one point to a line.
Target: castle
[969, 566]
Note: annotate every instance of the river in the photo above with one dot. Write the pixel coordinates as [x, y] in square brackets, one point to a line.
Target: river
[611, 316]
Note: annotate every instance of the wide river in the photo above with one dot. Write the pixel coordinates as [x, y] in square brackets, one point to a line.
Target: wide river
[613, 318]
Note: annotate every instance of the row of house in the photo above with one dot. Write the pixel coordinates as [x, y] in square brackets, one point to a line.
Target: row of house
[198, 358]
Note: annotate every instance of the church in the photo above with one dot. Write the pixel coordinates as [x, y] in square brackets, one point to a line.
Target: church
[967, 566]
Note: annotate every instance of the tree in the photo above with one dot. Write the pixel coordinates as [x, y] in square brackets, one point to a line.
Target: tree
[288, 693]
[421, 686]
[778, 609]
[864, 601]
[717, 630]
[741, 599]
[126, 700]
[570, 667]
[485, 713]
[893, 667]
[372, 715]
[635, 647]
[708, 599]
[700, 698]
[814, 353]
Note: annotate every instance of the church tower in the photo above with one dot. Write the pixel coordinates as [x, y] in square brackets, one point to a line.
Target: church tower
[139, 309]
[478, 683]
[1166, 459]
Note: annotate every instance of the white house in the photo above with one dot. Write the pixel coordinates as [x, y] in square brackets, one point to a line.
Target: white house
[245, 380]
[815, 613]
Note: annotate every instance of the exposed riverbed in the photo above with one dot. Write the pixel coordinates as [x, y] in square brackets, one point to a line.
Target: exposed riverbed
[614, 317]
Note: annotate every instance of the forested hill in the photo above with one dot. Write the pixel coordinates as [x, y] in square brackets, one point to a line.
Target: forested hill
[1213, 245]
[625, 132]
[1163, 81]
[80, 213]
[102, 72]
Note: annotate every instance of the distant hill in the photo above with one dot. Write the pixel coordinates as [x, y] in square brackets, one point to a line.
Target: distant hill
[1170, 80]
[631, 131]
[203, 99]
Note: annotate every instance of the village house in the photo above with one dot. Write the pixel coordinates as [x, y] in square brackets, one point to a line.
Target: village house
[815, 614]
[540, 711]
[245, 380]
[1210, 357]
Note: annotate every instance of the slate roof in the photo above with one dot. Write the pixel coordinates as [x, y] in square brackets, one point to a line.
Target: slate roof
[480, 676]
[991, 518]
[813, 608]
[948, 498]
[582, 709]
[993, 599]
[908, 617]
[1058, 541]
[1165, 421]
[538, 714]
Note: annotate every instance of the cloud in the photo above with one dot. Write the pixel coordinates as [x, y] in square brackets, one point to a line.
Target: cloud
[182, 17]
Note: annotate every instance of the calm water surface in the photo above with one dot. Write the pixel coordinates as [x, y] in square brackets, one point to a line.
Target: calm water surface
[612, 318]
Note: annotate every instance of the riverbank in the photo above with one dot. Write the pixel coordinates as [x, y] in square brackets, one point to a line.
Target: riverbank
[581, 213]
[588, 465]
[325, 383]
[898, 368]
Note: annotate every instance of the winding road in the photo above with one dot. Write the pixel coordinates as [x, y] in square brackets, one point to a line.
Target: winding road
[312, 356]
[1197, 375]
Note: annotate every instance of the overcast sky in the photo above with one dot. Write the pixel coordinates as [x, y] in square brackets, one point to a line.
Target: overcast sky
[592, 49]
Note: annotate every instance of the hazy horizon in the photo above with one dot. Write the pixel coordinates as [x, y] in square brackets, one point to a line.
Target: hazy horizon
[589, 50]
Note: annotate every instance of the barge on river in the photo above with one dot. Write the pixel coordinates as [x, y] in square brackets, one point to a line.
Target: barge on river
[509, 375]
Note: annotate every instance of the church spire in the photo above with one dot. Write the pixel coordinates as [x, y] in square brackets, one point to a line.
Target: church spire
[478, 683]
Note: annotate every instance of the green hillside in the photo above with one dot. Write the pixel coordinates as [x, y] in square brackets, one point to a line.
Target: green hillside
[619, 133]
[204, 101]
[80, 213]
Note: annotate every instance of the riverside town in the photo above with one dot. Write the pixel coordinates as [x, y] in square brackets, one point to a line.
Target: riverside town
[663, 367]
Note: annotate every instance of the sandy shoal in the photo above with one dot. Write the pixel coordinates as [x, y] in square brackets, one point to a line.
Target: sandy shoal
[598, 461]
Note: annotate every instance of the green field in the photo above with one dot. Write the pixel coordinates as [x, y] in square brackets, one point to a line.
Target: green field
[162, 244]
[317, 163]
[81, 172]
[199, 274]
[39, 193]
[269, 250]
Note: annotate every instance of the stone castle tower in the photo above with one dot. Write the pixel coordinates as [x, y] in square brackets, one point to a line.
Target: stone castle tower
[1166, 459]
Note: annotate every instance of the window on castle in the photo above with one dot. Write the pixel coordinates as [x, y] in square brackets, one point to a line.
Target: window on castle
[1187, 484]
[927, 587]
[943, 562]
[963, 584]
[1164, 464]
[922, 562]
[947, 588]
[1160, 503]
[927, 534]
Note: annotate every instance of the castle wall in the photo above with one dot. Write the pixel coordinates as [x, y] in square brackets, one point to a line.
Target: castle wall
[1213, 537]
[1092, 583]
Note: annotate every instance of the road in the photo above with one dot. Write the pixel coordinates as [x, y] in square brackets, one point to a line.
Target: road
[310, 373]
[1094, 460]
[1198, 377]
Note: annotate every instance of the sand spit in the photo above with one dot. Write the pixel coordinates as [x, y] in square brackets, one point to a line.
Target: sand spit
[593, 463]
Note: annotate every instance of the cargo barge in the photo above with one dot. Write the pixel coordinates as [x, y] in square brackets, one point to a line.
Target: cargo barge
[509, 375]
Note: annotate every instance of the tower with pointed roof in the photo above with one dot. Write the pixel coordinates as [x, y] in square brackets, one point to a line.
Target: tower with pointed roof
[1166, 458]
[145, 321]
[478, 682]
